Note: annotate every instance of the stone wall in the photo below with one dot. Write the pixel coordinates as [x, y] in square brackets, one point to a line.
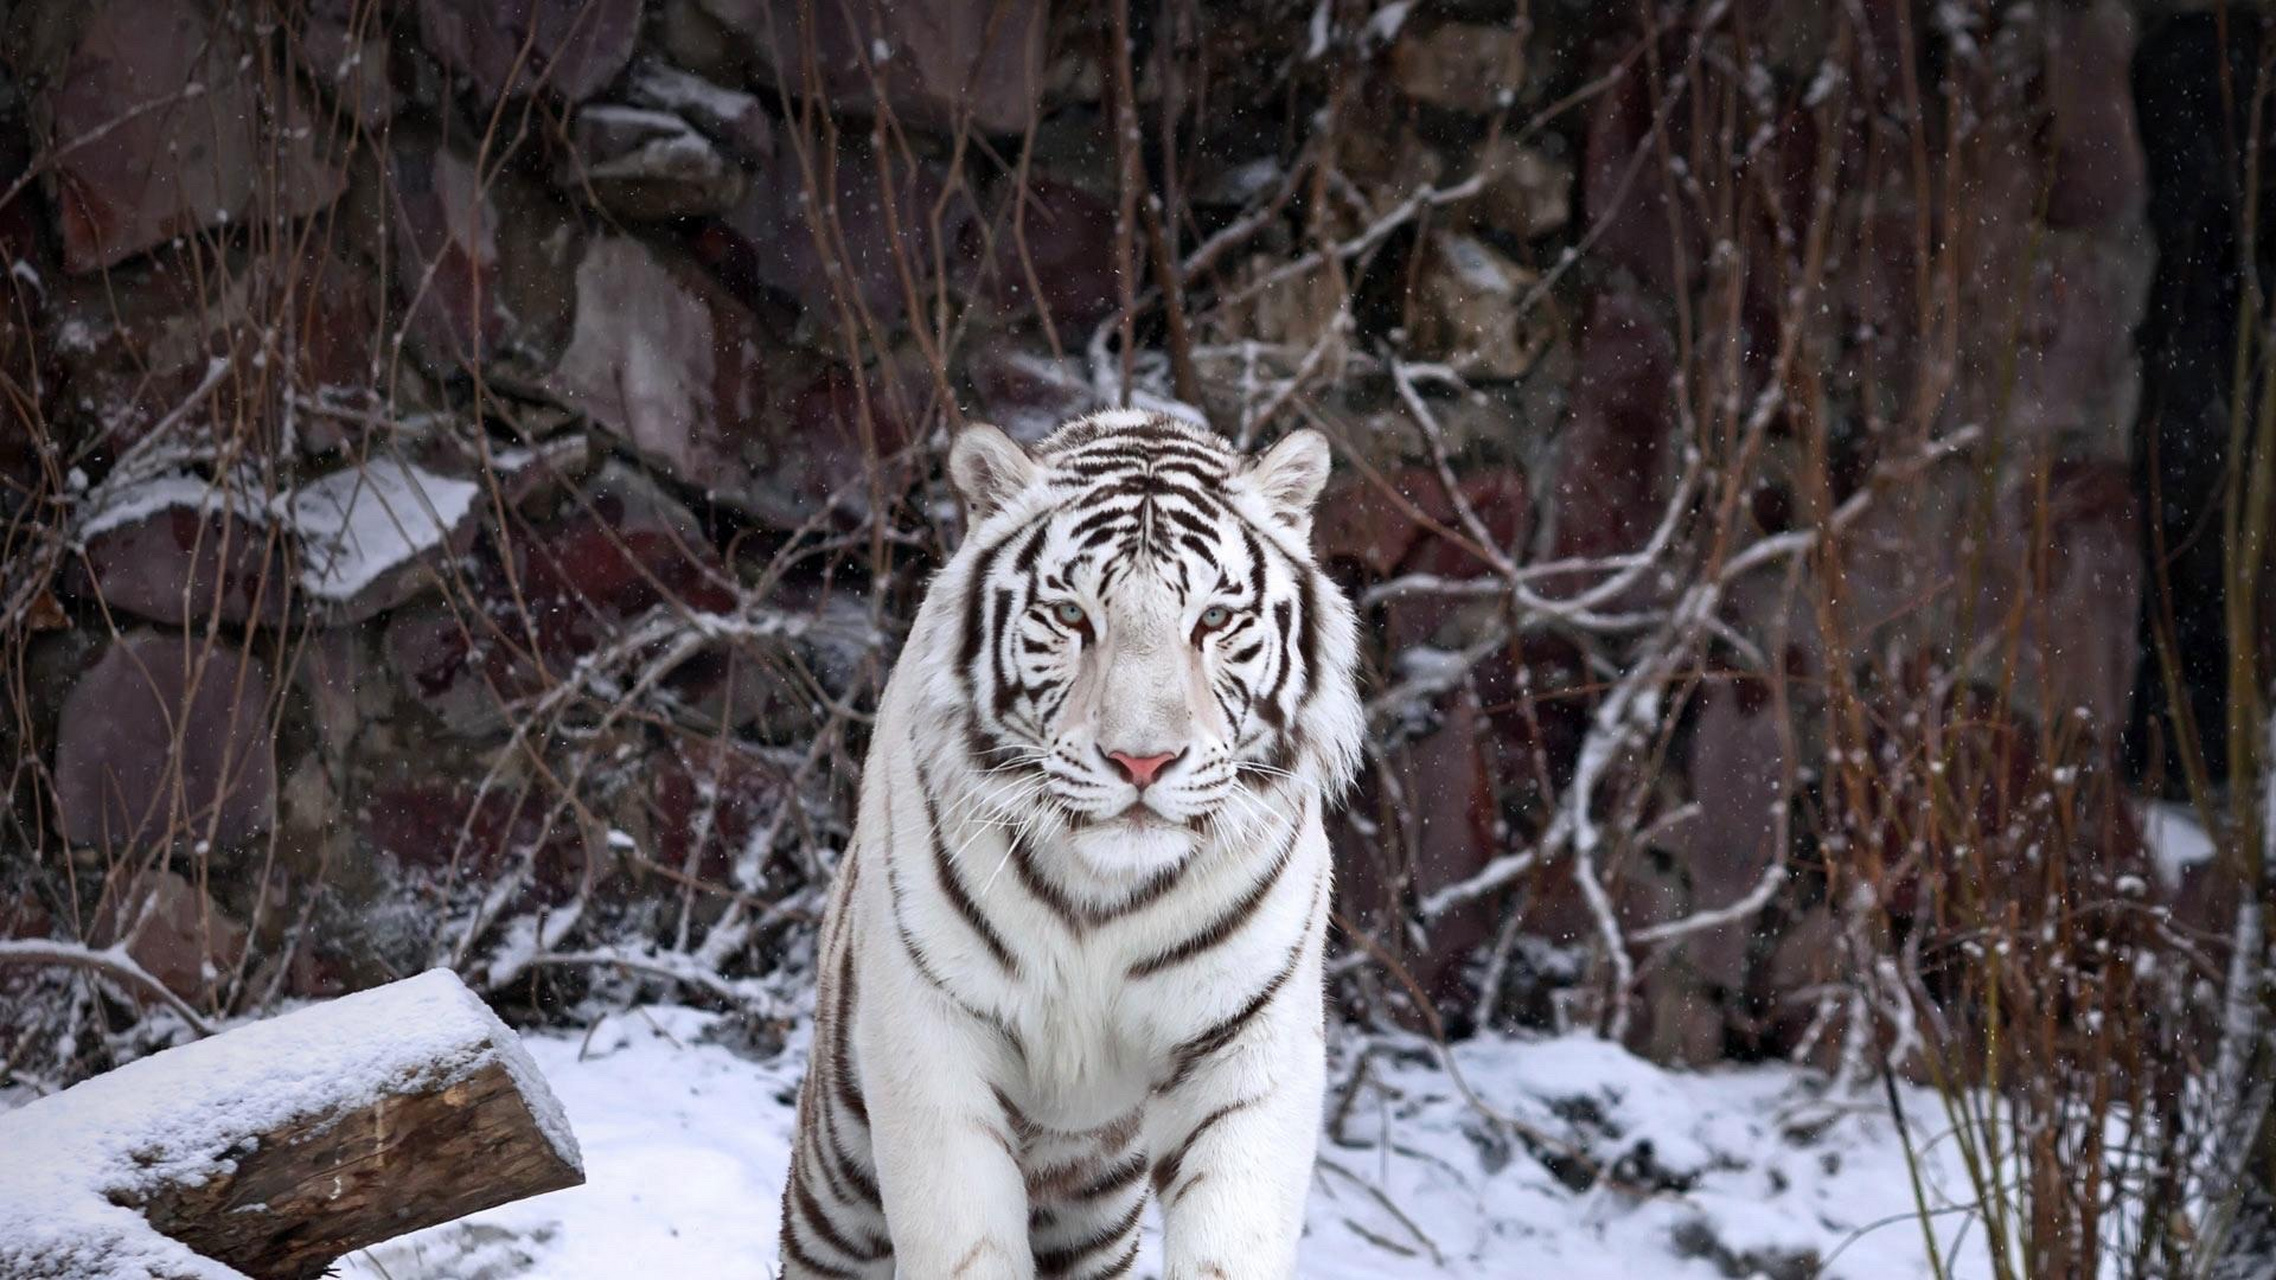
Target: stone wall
[469, 463]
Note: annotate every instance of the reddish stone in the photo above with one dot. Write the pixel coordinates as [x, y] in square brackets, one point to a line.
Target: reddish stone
[184, 567]
[484, 263]
[1363, 525]
[1461, 782]
[447, 224]
[621, 549]
[1069, 239]
[763, 688]
[343, 44]
[121, 777]
[220, 153]
[330, 314]
[169, 928]
[1367, 534]
[2077, 378]
[937, 65]
[1607, 494]
[668, 362]
[1531, 693]
[443, 831]
[827, 238]
[569, 48]
[1736, 772]
[729, 117]
[2100, 172]
[706, 804]
[2082, 645]
[1626, 200]
[1449, 789]
[837, 428]
[646, 165]
[26, 362]
[1027, 393]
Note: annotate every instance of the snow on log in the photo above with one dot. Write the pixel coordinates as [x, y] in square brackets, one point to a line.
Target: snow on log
[276, 1147]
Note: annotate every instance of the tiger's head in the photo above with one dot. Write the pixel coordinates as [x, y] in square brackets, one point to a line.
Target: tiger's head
[1145, 654]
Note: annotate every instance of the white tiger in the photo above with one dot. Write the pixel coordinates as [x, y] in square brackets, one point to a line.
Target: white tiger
[1074, 950]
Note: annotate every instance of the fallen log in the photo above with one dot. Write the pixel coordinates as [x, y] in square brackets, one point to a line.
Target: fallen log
[275, 1148]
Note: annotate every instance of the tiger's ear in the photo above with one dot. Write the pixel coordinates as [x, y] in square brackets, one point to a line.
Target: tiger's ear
[987, 468]
[1290, 475]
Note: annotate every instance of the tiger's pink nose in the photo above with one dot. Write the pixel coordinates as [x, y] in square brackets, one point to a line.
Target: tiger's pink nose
[1142, 770]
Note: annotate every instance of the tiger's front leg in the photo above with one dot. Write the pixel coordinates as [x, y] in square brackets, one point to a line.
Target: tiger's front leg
[955, 1200]
[1234, 1143]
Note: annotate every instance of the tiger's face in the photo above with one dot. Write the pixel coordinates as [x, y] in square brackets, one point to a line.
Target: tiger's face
[1148, 655]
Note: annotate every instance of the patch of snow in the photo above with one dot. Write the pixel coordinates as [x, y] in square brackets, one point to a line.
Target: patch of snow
[1322, 29]
[114, 504]
[662, 85]
[2176, 840]
[354, 524]
[687, 1144]
[1248, 181]
[1383, 25]
[1439, 667]
[642, 119]
[1477, 267]
[361, 522]
[76, 335]
[173, 1117]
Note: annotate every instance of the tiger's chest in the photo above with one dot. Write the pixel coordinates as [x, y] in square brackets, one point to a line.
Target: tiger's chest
[1092, 1042]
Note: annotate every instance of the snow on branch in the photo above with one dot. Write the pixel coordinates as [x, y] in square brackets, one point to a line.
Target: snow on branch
[113, 963]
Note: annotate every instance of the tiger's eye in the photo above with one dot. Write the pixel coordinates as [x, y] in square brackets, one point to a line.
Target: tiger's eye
[1215, 616]
[1070, 614]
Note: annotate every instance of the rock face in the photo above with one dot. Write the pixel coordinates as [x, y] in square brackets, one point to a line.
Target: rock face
[169, 928]
[571, 584]
[1610, 473]
[550, 394]
[940, 66]
[182, 562]
[721, 405]
[188, 140]
[188, 551]
[485, 261]
[1461, 66]
[729, 117]
[1056, 247]
[371, 536]
[645, 165]
[162, 737]
[448, 224]
[1027, 394]
[686, 402]
[837, 234]
[568, 48]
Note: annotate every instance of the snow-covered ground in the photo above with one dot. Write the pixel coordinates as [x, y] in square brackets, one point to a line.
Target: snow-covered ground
[686, 1141]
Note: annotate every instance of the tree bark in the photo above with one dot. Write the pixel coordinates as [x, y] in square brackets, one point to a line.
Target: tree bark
[340, 1181]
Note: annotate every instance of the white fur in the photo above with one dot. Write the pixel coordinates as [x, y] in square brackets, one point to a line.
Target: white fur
[935, 1064]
